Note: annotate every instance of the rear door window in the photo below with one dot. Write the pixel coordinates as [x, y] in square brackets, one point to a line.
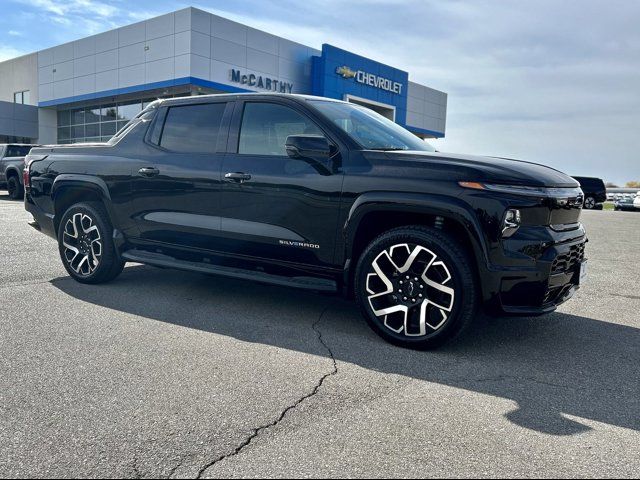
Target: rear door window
[192, 128]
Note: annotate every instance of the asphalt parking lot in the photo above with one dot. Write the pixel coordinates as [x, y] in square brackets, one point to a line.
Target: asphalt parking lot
[171, 374]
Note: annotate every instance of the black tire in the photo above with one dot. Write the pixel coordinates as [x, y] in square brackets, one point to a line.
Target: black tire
[108, 265]
[437, 247]
[590, 203]
[16, 192]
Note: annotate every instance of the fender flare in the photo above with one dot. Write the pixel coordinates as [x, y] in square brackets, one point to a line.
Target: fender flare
[10, 170]
[420, 203]
[87, 182]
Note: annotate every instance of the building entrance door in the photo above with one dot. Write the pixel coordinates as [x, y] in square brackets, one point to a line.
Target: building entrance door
[388, 111]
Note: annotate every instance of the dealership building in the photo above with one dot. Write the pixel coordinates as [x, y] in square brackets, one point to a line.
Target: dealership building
[85, 90]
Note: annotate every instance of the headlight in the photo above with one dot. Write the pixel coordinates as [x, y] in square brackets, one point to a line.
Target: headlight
[560, 197]
[549, 192]
[511, 222]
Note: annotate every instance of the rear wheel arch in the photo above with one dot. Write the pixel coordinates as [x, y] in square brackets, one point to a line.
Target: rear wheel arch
[65, 194]
[12, 172]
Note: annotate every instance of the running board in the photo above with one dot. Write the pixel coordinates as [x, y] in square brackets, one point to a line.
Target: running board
[160, 260]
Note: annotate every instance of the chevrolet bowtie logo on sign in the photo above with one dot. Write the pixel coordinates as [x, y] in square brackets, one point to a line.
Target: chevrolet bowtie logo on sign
[370, 79]
[345, 72]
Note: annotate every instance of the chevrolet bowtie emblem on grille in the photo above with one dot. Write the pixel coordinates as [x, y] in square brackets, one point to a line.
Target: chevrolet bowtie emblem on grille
[345, 72]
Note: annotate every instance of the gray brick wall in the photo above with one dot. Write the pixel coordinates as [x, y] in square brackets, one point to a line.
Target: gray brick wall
[426, 108]
[189, 42]
[18, 120]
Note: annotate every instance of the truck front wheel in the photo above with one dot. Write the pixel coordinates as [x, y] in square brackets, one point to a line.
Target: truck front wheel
[415, 287]
[14, 188]
[85, 242]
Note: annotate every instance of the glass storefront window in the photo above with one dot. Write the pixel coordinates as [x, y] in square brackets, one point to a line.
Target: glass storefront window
[109, 113]
[64, 133]
[77, 116]
[92, 129]
[108, 128]
[126, 111]
[64, 118]
[92, 115]
[97, 122]
[77, 132]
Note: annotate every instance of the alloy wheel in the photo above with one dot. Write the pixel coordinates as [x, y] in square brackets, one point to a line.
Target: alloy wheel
[410, 290]
[589, 203]
[82, 244]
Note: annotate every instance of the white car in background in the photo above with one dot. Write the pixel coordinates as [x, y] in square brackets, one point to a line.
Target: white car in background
[636, 201]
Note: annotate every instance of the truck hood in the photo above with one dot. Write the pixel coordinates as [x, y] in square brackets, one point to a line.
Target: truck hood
[481, 169]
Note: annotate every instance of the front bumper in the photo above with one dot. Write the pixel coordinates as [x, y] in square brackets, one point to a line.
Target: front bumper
[551, 278]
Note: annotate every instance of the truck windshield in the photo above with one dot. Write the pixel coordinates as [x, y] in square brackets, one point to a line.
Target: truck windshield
[369, 129]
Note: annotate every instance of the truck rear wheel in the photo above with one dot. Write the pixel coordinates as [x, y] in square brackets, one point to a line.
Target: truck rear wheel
[85, 242]
[416, 288]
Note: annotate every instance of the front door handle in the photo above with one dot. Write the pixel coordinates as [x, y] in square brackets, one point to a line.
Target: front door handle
[237, 177]
[148, 171]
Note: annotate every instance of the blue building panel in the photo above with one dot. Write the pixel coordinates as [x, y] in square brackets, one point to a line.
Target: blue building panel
[327, 82]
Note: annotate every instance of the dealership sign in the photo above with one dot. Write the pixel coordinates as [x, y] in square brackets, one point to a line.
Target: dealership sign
[370, 79]
[258, 81]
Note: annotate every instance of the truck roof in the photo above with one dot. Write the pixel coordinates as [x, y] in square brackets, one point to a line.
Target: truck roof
[234, 96]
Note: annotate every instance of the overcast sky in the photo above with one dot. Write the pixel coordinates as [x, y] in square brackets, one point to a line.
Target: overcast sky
[554, 81]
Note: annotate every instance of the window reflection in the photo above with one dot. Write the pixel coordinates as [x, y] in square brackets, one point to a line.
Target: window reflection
[96, 123]
[109, 113]
[99, 122]
[127, 111]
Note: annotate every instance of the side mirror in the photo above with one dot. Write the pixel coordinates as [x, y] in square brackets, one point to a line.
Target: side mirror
[315, 147]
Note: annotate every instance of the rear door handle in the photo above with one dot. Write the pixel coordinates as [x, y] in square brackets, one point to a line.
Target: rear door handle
[237, 177]
[148, 171]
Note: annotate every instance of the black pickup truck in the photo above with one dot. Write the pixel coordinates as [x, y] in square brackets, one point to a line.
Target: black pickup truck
[12, 157]
[318, 194]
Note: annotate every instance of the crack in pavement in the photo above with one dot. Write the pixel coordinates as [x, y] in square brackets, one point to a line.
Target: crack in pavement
[256, 431]
[630, 297]
[175, 468]
[134, 466]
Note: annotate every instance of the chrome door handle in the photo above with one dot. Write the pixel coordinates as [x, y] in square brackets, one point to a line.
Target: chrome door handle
[148, 171]
[237, 177]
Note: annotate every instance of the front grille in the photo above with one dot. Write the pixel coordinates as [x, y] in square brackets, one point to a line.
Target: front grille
[569, 260]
